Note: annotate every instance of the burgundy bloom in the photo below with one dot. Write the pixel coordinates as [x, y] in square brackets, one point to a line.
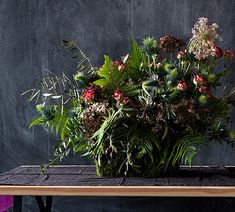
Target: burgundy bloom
[228, 54]
[116, 63]
[124, 100]
[197, 79]
[88, 94]
[117, 95]
[182, 85]
[216, 52]
[209, 94]
[204, 89]
[121, 67]
[180, 55]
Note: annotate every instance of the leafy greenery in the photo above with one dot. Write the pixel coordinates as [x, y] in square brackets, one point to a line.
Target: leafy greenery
[141, 116]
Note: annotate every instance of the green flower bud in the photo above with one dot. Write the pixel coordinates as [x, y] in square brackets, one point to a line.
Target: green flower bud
[174, 73]
[168, 66]
[211, 78]
[40, 107]
[169, 83]
[183, 62]
[79, 76]
[202, 99]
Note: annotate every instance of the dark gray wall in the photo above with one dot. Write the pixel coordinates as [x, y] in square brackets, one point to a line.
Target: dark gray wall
[30, 43]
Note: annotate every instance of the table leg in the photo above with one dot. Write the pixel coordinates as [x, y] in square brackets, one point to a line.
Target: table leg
[17, 204]
[44, 207]
[48, 203]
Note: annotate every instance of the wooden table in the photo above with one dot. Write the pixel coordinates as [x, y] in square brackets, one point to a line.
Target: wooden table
[81, 180]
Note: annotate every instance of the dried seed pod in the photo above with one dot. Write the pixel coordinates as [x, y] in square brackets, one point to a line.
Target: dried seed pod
[169, 43]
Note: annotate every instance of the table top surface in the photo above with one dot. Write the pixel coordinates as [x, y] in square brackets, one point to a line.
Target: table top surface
[81, 180]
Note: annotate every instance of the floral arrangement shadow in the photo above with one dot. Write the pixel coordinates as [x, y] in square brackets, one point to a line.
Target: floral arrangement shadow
[145, 114]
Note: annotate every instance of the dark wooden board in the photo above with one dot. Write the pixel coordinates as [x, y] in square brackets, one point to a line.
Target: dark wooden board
[86, 176]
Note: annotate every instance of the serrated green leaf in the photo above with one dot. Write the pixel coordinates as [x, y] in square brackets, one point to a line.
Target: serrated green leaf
[101, 82]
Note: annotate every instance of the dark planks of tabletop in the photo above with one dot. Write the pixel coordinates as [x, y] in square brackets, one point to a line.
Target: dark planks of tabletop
[85, 175]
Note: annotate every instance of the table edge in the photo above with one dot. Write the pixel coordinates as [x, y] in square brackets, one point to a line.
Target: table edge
[143, 191]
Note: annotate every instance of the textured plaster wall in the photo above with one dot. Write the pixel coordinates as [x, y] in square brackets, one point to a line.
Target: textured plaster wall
[30, 43]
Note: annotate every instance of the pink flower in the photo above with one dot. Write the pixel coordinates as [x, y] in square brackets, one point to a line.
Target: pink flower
[180, 55]
[88, 94]
[121, 67]
[197, 79]
[124, 100]
[204, 89]
[216, 52]
[117, 95]
[228, 54]
[182, 85]
[116, 63]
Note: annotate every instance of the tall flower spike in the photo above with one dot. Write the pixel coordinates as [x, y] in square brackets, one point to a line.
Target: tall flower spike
[203, 40]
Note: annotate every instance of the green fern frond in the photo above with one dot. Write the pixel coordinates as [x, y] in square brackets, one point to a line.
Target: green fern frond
[101, 132]
[84, 63]
[185, 149]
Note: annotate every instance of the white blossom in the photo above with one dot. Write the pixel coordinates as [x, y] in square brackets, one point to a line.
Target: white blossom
[203, 39]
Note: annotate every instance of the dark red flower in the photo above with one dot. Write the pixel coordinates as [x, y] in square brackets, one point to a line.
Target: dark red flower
[198, 80]
[228, 54]
[209, 94]
[216, 52]
[88, 94]
[117, 95]
[116, 63]
[121, 67]
[124, 100]
[180, 55]
[182, 85]
[204, 89]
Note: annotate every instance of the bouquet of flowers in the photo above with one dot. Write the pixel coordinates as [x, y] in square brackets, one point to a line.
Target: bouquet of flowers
[148, 112]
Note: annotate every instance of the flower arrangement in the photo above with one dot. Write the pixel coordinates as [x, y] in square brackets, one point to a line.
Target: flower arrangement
[148, 112]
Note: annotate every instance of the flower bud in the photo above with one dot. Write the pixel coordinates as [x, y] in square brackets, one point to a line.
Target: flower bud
[228, 54]
[198, 80]
[121, 67]
[216, 52]
[40, 107]
[180, 55]
[117, 94]
[202, 99]
[204, 89]
[88, 94]
[116, 63]
[182, 85]
[124, 100]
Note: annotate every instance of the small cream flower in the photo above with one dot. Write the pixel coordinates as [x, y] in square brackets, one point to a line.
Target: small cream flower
[204, 37]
